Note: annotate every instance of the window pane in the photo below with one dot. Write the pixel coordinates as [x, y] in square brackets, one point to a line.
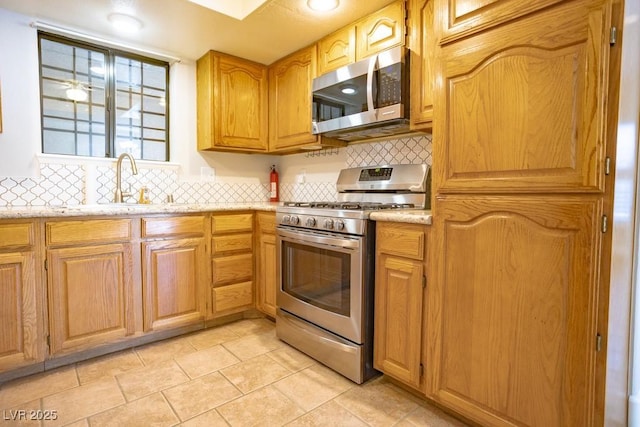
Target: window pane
[76, 79]
[73, 99]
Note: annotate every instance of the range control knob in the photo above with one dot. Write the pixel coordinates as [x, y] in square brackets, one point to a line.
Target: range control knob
[328, 224]
[294, 220]
[339, 225]
[286, 219]
[311, 222]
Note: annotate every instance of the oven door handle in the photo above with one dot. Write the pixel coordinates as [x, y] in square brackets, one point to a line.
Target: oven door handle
[346, 243]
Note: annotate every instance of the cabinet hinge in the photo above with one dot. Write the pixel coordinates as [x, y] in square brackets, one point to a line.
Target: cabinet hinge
[421, 370]
[605, 223]
[46, 264]
[48, 340]
[598, 342]
[424, 281]
[607, 166]
[613, 36]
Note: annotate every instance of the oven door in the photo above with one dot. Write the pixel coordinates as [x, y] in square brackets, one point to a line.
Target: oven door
[320, 280]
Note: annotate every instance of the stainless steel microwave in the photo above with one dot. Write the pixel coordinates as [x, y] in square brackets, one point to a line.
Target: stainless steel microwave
[366, 99]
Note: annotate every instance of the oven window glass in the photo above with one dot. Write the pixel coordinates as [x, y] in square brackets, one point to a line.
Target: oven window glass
[320, 277]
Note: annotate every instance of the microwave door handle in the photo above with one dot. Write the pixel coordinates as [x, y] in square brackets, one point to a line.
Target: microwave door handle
[372, 66]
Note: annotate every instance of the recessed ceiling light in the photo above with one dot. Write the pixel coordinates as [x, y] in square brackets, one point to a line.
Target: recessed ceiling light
[322, 5]
[125, 23]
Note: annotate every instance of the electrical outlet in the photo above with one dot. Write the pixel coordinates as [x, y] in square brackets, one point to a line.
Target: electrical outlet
[301, 178]
[207, 174]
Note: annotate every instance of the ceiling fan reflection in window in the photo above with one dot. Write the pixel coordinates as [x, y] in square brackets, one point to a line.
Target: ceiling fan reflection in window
[76, 90]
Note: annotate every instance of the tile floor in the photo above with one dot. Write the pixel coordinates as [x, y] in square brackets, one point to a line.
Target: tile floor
[238, 374]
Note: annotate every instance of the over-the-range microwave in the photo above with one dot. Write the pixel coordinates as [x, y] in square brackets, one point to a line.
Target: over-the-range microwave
[363, 100]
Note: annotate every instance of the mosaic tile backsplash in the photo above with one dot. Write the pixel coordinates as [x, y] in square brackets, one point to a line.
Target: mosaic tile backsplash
[73, 184]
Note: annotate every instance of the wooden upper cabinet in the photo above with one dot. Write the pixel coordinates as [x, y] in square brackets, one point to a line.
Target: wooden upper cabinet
[461, 18]
[381, 30]
[337, 49]
[512, 309]
[232, 104]
[524, 104]
[423, 44]
[290, 82]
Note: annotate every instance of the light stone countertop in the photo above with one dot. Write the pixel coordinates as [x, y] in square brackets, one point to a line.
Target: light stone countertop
[408, 216]
[423, 217]
[128, 209]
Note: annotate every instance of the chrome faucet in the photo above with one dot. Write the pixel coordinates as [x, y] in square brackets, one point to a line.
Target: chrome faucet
[119, 194]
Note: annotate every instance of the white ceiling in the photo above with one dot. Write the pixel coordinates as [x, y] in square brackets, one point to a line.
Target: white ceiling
[187, 30]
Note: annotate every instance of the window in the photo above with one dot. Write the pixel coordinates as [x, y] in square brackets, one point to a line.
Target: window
[100, 102]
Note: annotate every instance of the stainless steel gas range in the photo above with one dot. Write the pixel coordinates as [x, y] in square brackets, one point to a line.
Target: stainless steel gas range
[326, 265]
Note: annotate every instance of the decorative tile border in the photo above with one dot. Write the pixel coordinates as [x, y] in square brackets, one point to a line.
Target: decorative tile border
[73, 184]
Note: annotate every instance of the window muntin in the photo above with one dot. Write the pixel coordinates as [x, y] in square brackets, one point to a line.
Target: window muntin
[125, 109]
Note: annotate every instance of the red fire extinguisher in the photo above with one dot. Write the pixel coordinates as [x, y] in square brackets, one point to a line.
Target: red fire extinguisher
[274, 195]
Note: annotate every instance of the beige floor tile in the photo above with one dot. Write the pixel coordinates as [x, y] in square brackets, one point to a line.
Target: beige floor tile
[254, 345]
[255, 373]
[13, 393]
[264, 407]
[27, 414]
[329, 414]
[201, 395]
[152, 410]
[208, 419]
[213, 336]
[313, 386]
[164, 350]
[291, 358]
[425, 415]
[140, 382]
[377, 404]
[83, 401]
[81, 423]
[107, 366]
[249, 327]
[206, 361]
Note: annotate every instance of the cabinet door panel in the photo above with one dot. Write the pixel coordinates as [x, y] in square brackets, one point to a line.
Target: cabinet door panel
[422, 43]
[524, 108]
[267, 278]
[90, 295]
[381, 30]
[21, 336]
[173, 287]
[512, 323]
[398, 320]
[232, 269]
[337, 50]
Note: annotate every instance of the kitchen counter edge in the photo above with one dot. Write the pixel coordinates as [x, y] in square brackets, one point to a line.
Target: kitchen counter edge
[129, 209]
[407, 216]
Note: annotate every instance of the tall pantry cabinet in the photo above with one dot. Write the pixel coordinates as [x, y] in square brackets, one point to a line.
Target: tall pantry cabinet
[521, 145]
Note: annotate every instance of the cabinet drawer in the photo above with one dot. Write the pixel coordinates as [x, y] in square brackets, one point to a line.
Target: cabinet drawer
[231, 223]
[159, 227]
[232, 296]
[231, 242]
[232, 269]
[12, 235]
[89, 231]
[267, 222]
[400, 239]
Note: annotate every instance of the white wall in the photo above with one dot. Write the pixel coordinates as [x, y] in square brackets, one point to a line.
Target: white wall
[20, 142]
[19, 86]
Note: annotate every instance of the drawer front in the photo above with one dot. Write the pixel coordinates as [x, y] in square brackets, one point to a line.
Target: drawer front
[12, 235]
[231, 242]
[231, 223]
[401, 239]
[234, 268]
[267, 222]
[181, 225]
[232, 297]
[88, 231]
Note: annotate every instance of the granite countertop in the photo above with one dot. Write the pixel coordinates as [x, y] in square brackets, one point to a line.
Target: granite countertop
[403, 215]
[408, 216]
[127, 209]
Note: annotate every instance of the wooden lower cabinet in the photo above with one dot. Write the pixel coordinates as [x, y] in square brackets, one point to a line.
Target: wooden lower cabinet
[173, 286]
[266, 273]
[90, 296]
[21, 311]
[511, 317]
[400, 275]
